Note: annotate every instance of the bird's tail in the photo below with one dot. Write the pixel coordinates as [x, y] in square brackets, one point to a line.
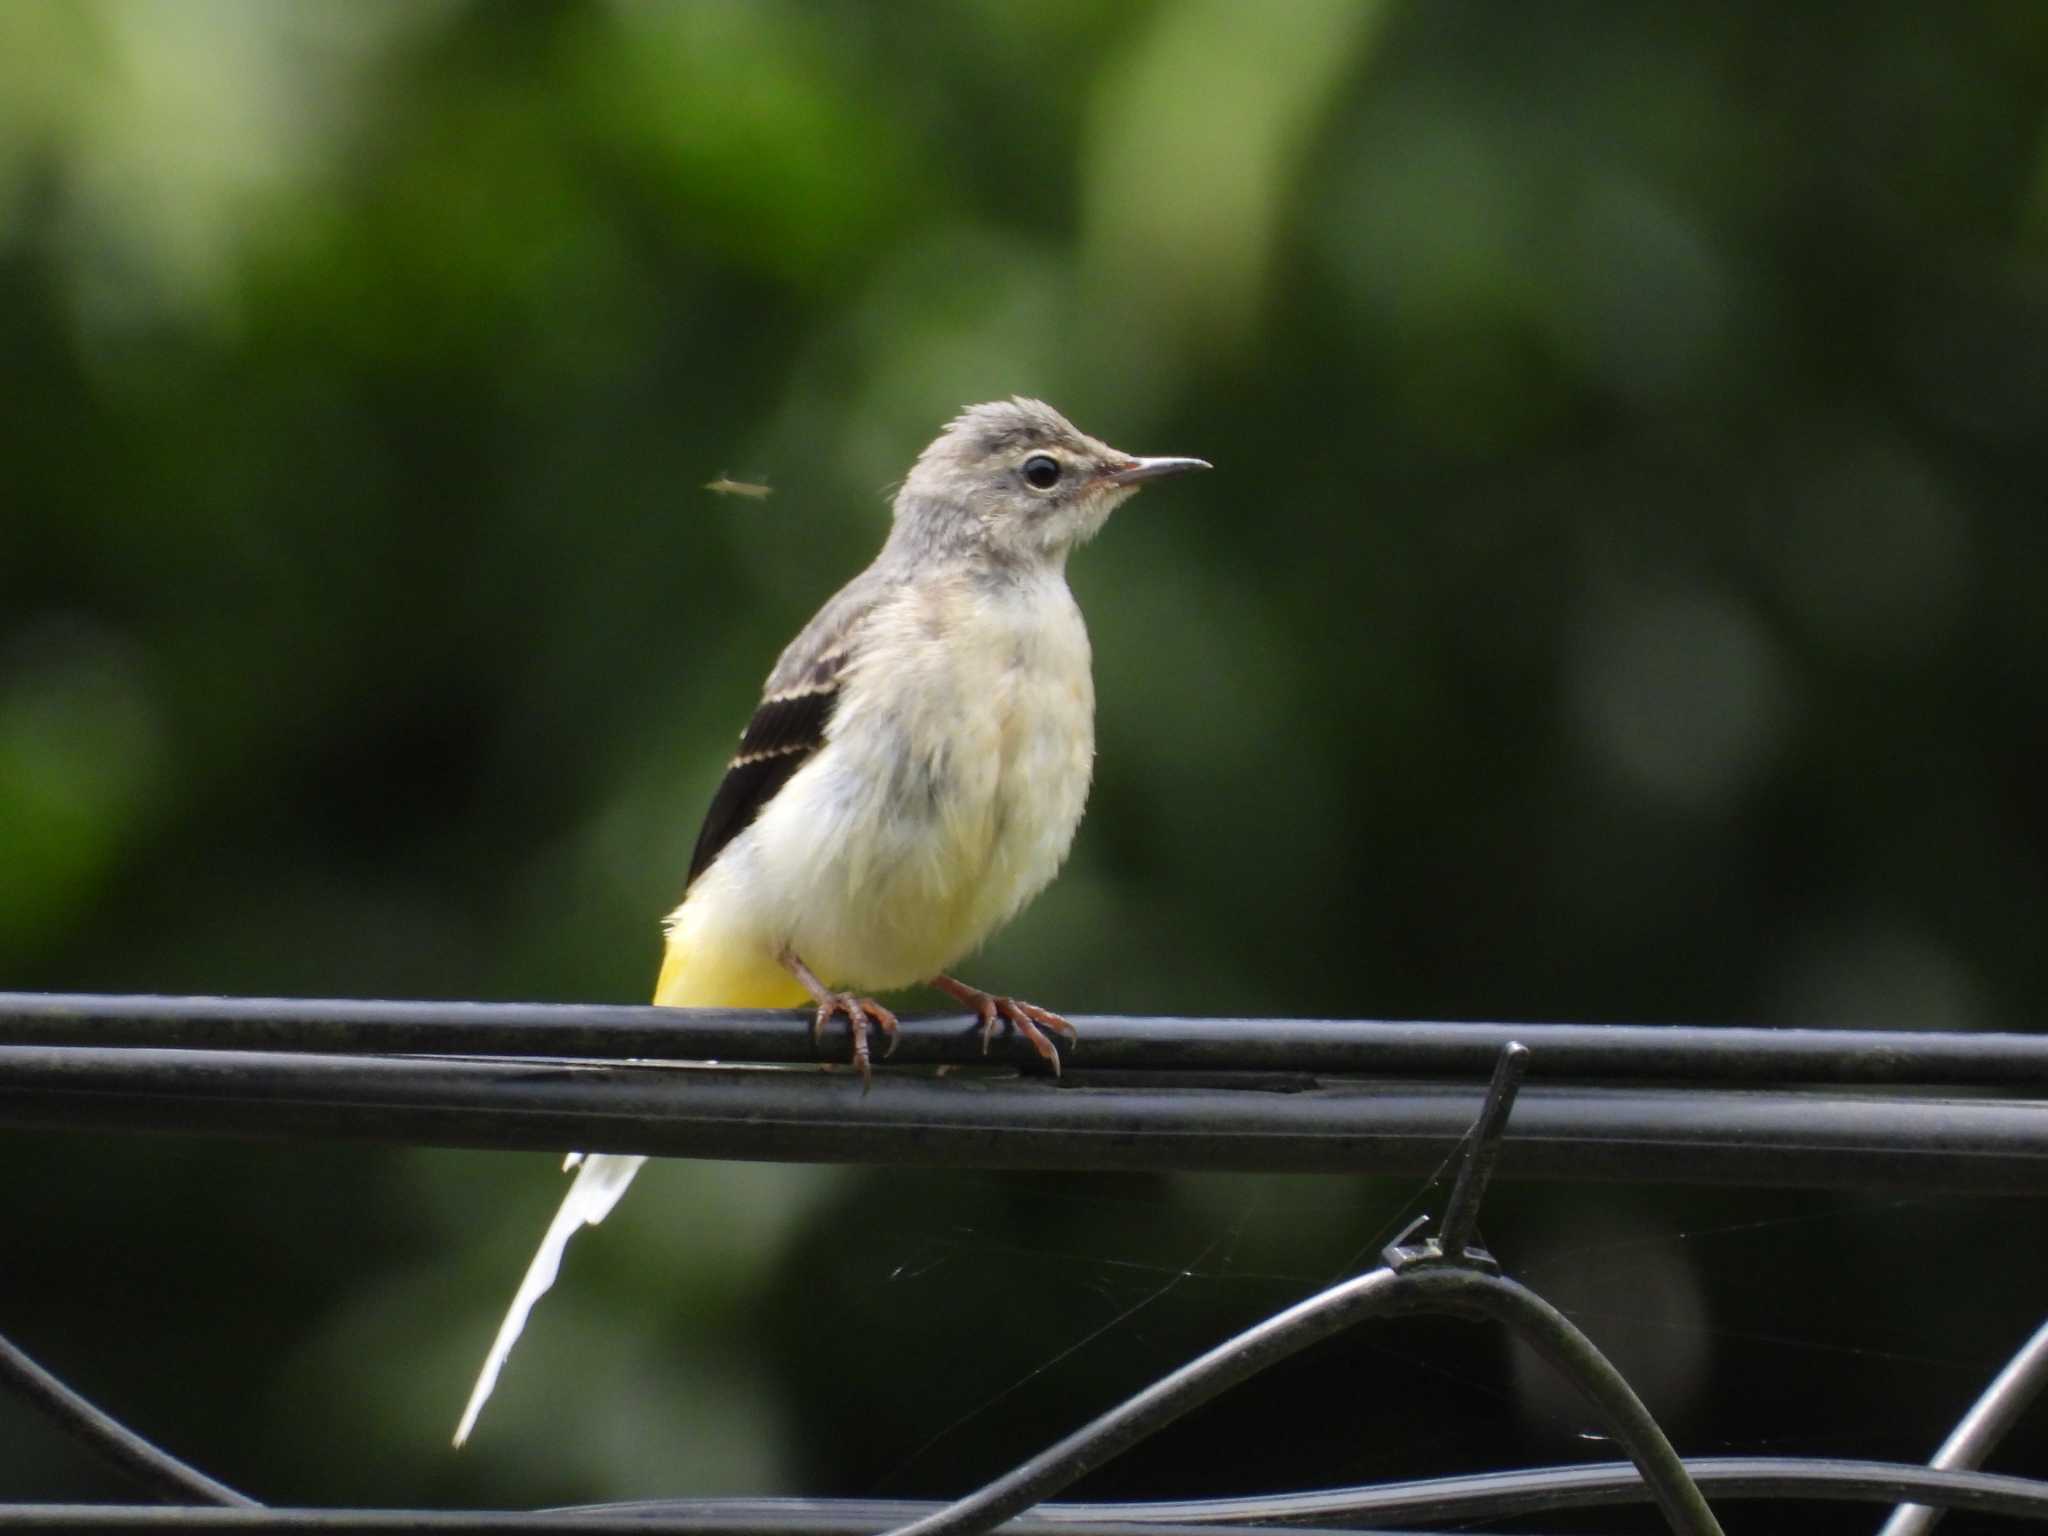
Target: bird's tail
[602, 1177]
[599, 1183]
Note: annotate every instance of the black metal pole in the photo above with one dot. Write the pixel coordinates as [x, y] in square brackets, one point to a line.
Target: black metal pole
[1001, 1120]
[1461, 1213]
[1680, 1053]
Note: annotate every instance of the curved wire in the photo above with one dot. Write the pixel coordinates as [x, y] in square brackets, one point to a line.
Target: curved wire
[1382, 1292]
[155, 1469]
[2011, 1390]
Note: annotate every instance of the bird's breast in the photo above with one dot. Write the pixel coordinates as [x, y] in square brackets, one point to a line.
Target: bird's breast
[965, 745]
[953, 776]
[1008, 785]
[1044, 750]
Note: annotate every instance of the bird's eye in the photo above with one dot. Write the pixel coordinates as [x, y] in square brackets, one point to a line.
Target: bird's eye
[1041, 471]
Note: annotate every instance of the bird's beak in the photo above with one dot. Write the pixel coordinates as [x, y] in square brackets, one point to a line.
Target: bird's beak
[1140, 470]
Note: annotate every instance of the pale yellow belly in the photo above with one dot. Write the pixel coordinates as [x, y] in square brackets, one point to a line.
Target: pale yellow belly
[947, 797]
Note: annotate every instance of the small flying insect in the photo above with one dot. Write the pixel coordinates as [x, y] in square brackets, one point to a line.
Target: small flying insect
[726, 486]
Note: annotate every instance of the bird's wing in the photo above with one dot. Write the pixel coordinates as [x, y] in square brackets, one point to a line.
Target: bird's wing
[788, 725]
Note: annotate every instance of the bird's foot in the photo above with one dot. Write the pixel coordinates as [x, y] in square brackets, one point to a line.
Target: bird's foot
[1025, 1018]
[861, 1012]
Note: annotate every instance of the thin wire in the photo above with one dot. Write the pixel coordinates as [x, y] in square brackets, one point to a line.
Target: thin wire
[1536, 1490]
[1158, 1293]
[1427, 1502]
[1979, 1431]
[148, 1464]
[1606, 1247]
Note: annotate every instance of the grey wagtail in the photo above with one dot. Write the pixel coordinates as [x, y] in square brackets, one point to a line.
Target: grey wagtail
[913, 775]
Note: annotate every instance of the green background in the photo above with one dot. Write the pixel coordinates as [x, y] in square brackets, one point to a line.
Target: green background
[1620, 596]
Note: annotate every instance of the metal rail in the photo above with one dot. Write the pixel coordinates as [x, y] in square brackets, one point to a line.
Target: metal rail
[997, 1118]
[1295, 1047]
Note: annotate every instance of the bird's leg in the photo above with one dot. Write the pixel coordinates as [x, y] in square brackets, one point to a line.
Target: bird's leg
[1021, 1016]
[860, 1013]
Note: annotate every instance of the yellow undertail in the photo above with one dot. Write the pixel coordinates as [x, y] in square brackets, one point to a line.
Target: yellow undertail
[700, 981]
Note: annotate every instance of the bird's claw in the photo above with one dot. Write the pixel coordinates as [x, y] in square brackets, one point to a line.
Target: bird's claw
[1026, 1019]
[860, 1013]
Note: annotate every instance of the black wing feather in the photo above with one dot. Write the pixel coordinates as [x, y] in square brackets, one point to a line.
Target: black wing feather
[785, 731]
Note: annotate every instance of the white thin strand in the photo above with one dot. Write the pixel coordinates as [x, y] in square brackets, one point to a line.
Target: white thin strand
[600, 1180]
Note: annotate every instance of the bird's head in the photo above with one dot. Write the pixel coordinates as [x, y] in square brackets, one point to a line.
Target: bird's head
[1018, 482]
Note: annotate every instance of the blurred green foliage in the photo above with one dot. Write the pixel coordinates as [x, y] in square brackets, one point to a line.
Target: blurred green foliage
[1621, 595]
